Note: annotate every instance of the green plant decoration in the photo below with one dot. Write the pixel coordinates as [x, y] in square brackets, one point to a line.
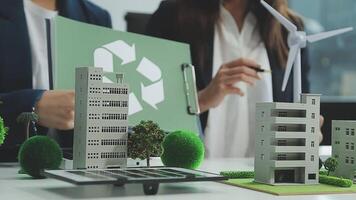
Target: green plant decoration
[330, 164]
[182, 149]
[336, 181]
[27, 118]
[39, 153]
[3, 131]
[145, 141]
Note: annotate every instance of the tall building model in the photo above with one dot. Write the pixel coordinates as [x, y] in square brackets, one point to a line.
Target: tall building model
[287, 142]
[343, 140]
[101, 124]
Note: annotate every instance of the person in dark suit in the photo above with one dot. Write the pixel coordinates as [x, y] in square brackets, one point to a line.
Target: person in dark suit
[219, 32]
[24, 81]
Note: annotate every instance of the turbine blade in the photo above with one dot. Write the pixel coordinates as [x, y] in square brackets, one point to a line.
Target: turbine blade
[291, 58]
[325, 35]
[284, 21]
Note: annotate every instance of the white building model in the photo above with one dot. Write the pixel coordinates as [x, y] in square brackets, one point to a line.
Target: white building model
[101, 125]
[343, 148]
[287, 142]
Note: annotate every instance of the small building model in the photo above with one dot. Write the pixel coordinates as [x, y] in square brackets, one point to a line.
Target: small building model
[101, 124]
[343, 140]
[287, 142]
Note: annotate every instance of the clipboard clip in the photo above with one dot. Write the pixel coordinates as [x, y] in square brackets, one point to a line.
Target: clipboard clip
[190, 89]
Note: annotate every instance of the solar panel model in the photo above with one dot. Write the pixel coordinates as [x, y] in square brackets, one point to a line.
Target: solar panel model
[149, 177]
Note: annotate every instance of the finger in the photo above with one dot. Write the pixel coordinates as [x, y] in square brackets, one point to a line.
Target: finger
[321, 121]
[234, 90]
[242, 62]
[242, 69]
[66, 114]
[240, 77]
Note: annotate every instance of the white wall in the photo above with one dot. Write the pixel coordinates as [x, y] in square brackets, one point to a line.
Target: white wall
[119, 8]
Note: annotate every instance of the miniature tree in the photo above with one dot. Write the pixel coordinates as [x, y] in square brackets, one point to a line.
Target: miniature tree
[27, 118]
[3, 131]
[145, 140]
[330, 164]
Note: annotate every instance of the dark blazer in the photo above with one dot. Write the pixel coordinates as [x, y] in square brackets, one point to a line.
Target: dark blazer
[16, 91]
[163, 24]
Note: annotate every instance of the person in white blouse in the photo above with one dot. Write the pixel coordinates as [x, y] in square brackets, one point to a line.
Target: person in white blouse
[228, 39]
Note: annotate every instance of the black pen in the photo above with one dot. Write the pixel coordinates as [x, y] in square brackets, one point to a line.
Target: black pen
[258, 69]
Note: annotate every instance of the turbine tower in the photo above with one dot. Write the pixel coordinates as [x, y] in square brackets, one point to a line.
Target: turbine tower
[296, 41]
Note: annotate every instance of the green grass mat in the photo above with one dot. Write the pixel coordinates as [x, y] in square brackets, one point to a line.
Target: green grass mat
[286, 190]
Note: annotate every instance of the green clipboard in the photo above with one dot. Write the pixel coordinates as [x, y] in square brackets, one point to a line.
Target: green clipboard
[162, 82]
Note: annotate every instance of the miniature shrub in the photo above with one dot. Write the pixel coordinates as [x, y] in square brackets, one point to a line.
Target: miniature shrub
[3, 131]
[336, 181]
[238, 174]
[323, 172]
[182, 149]
[39, 153]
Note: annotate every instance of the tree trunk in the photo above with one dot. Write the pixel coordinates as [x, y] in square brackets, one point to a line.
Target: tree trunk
[27, 131]
[148, 160]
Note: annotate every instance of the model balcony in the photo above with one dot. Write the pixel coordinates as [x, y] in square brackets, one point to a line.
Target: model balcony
[289, 128]
[288, 163]
[287, 159]
[290, 135]
[289, 149]
[289, 120]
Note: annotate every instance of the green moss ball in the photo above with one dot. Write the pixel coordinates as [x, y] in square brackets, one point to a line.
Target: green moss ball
[39, 153]
[182, 149]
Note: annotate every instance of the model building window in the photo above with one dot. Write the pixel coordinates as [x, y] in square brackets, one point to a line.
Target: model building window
[313, 101]
[352, 160]
[312, 144]
[312, 129]
[347, 146]
[282, 143]
[337, 128]
[352, 146]
[262, 128]
[337, 142]
[282, 114]
[282, 157]
[347, 160]
[311, 176]
[262, 114]
[353, 132]
[347, 131]
[312, 158]
[313, 116]
[262, 156]
[262, 141]
[282, 128]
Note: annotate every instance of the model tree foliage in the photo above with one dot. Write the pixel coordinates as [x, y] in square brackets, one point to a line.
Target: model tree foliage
[27, 118]
[145, 140]
[330, 164]
[3, 131]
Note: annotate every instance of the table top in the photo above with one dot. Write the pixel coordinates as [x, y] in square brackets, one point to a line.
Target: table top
[16, 186]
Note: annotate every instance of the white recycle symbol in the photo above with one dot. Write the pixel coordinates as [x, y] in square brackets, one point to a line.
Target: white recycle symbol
[152, 94]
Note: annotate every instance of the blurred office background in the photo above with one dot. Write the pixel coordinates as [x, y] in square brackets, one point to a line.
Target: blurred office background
[333, 70]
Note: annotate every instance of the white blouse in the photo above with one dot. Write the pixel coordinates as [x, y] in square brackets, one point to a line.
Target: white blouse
[36, 22]
[230, 130]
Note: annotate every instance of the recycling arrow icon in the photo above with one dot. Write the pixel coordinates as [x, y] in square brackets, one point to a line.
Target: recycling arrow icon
[153, 93]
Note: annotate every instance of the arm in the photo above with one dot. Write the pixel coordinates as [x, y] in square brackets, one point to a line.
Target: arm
[14, 103]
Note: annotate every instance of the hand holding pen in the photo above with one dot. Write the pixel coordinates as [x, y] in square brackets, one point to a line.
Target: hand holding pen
[224, 82]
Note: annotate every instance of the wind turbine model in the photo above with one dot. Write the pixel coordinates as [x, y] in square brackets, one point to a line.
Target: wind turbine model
[296, 41]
